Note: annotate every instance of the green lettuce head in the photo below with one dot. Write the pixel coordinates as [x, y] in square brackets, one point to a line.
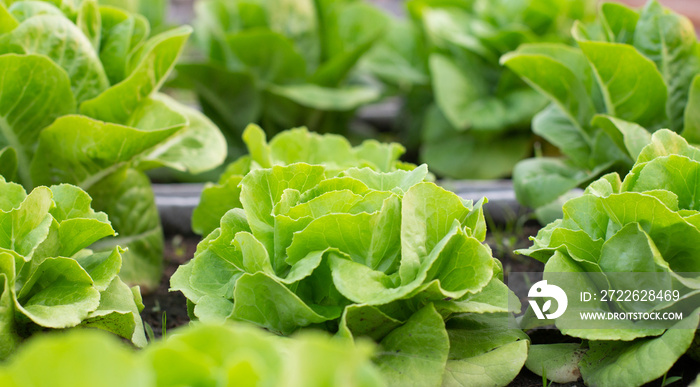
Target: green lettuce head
[362, 253]
[48, 277]
[647, 223]
[640, 66]
[79, 104]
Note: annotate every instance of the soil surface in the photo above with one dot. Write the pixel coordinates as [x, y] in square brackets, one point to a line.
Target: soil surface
[163, 305]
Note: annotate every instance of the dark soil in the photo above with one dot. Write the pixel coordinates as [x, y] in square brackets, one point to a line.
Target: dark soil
[162, 305]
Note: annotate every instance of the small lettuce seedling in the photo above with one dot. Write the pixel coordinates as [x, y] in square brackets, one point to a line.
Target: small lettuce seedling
[360, 253]
[649, 222]
[631, 68]
[48, 277]
[79, 104]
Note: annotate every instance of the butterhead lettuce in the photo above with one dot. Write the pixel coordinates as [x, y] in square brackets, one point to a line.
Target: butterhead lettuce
[646, 223]
[360, 253]
[48, 277]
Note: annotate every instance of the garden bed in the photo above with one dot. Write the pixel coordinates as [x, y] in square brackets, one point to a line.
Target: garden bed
[171, 307]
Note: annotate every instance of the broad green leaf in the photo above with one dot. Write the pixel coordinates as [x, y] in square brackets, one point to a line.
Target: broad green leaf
[366, 321]
[72, 202]
[10, 339]
[98, 149]
[691, 128]
[541, 180]
[267, 55]
[557, 128]
[558, 362]
[397, 57]
[664, 143]
[7, 20]
[214, 202]
[617, 256]
[495, 297]
[619, 22]
[256, 141]
[553, 76]
[149, 72]
[120, 34]
[104, 360]
[118, 313]
[325, 98]
[316, 361]
[371, 240]
[628, 136]
[197, 148]
[90, 22]
[669, 231]
[127, 197]
[102, 267]
[488, 368]
[23, 10]
[207, 354]
[637, 362]
[463, 155]
[669, 40]
[301, 145]
[383, 156]
[8, 163]
[632, 87]
[266, 302]
[348, 30]
[12, 195]
[456, 90]
[65, 44]
[427, 215]
[387, 181]
[25, 227]
[415, 353]
[212, 274]
[673, 173]
[58, 294]
[29, 106]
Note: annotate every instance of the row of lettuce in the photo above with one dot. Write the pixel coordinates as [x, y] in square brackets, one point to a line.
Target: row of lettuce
[307, 232]
[339, 239]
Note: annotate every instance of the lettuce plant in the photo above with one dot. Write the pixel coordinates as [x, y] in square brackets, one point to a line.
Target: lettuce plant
[637, 66]
[48, 277]
[469, 116]
[281, 64]
[361, 253]
[79, 104]
[291, 146]
[206, 355]
[646, 223]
